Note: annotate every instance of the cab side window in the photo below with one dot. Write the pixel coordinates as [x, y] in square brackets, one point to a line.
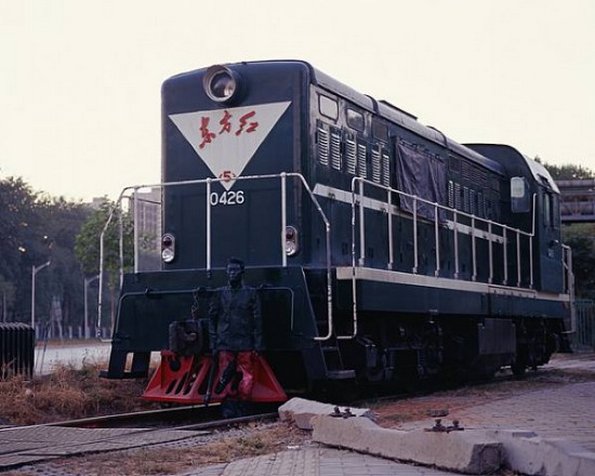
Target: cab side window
[547, 209]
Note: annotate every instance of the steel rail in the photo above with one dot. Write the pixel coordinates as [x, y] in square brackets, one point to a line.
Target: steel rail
[157, 417]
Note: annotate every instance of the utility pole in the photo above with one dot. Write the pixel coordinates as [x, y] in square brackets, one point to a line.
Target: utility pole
[34, 271]
[88, 281]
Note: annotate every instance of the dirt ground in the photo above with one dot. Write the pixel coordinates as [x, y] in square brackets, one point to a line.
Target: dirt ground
[68, 394]
[564, 369]
[258, 439]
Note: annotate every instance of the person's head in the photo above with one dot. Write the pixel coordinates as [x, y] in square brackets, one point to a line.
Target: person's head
[235, 271]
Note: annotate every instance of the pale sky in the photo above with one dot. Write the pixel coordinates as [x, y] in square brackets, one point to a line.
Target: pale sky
[80, 80]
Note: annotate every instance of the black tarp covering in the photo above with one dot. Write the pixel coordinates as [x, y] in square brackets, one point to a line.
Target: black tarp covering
[423, 174]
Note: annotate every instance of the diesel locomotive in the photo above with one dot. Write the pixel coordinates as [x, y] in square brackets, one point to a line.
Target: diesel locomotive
[383, 252]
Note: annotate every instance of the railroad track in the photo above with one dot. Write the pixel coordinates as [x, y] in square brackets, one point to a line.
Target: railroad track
[39, 444]
[502, 376]
[175, 418]
[179, 418]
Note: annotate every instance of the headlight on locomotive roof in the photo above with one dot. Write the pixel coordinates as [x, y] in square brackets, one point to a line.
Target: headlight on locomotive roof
[221, 83]
[291, 241]
[168, 248]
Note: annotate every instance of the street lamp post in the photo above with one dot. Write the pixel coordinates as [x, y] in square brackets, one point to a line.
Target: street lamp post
[34, 271]
[88, 281]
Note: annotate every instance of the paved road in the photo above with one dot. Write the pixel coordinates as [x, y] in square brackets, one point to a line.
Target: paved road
[316, 462]
[565, 411]
[52, 355]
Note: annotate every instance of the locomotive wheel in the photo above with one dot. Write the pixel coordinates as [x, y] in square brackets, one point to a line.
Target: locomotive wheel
[342, 391]
[519, 370]
[519, 366]
[235, 408]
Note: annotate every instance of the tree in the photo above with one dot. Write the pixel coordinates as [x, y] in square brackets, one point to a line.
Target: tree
[35, 228]
[569, 172]
[581, 238]
[62, 222]
[7, 297]
[87, 246]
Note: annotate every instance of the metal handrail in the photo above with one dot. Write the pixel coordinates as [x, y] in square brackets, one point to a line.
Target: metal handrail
[208, 181]
[569, 285]
[358, 201]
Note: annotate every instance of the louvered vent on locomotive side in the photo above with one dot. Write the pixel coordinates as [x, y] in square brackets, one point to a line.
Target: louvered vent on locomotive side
[472, 202]
[361, 161]
[458, 196]
[323, 146]
[480, 205]
[336, 150]
[385, 169]
[376, 166]
[351, 155]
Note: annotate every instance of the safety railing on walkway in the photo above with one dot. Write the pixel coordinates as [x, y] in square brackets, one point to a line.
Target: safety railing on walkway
[131, 195]
[444, 218]
[475, 226]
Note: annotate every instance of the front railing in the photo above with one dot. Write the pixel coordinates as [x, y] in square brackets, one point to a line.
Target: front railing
[130, 196]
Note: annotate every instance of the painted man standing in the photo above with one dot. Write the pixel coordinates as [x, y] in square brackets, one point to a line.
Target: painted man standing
[235, 331]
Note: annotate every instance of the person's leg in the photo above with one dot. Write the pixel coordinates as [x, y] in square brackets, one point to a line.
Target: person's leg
[226, 359]
[245, 364]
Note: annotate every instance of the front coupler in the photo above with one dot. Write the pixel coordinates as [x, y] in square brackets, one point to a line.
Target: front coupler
[192, 380]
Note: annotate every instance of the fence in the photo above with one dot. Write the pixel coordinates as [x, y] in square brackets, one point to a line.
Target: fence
[17, 344]
[585, 322]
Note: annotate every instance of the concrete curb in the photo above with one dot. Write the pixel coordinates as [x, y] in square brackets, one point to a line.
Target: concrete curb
[527, 453]
[467, 452]
[470, 451]
[301, 411]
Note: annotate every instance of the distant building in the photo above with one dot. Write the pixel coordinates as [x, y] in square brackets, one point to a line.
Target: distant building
[148, 218]
[96, 202]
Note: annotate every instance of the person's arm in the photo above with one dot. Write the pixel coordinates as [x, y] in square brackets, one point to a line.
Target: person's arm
[257, 319]
[213, 317]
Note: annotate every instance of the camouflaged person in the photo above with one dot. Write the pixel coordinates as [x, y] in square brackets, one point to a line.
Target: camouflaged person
[235, 332]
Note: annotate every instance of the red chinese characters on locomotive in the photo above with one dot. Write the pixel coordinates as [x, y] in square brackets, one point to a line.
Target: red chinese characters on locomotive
[243, 124]
[206, 135]
[244, 120]
[225, 122]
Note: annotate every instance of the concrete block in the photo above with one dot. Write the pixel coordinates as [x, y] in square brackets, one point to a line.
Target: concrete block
[469, 451]
[530, 454]
[301, 411]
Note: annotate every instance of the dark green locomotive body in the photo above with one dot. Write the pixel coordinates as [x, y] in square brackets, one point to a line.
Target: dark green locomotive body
[383, 251]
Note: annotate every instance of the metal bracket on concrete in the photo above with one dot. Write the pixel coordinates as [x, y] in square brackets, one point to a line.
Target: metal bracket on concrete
[440, 428]
[337, 413]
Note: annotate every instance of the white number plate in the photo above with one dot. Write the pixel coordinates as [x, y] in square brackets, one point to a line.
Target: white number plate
[228, 197]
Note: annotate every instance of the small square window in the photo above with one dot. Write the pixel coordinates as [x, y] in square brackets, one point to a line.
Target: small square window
[328, 107]
[380, 130]
[356, 120]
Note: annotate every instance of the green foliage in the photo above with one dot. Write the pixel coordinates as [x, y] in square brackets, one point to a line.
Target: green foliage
[581, 238]
[35, 228]
[87, 245]
[569, 172]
